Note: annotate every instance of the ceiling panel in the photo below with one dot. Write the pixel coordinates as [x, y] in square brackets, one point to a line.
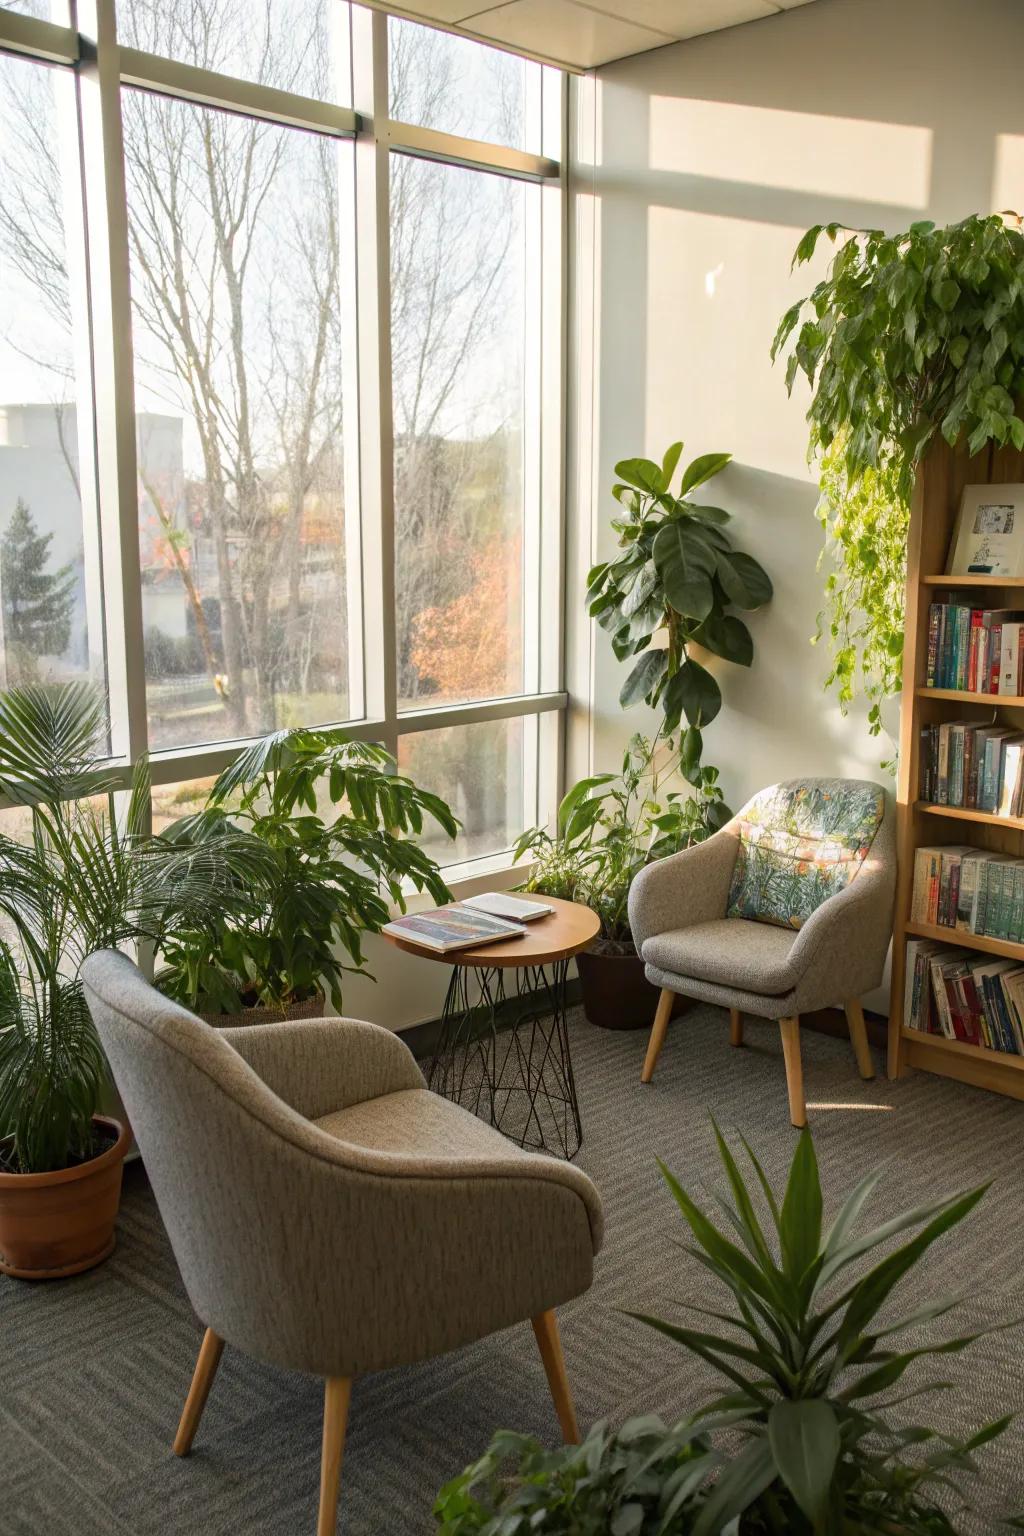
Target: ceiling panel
[565, 31]
[688, 18]
[581, 34]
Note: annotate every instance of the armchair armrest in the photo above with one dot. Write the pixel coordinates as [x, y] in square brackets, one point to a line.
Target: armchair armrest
[320, 1065]
[686, 888]
[840, 951]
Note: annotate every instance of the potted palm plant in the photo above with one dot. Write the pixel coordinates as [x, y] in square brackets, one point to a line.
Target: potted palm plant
[330, 878]
[76, 878]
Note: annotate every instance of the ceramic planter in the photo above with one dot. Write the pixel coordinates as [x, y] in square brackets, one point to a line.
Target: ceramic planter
[616, 993]
[60, 1223]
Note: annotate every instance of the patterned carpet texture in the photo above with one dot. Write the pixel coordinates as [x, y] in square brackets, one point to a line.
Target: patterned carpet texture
[93, 1371]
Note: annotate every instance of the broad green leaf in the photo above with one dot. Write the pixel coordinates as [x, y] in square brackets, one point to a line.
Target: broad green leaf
[580, 792]
[644, 678]
[668, 464]
[699, 695]
[702, 469]
[742, 1481]
[685, 565]
[641, 473]
[728, 637]
[643, 586]
[744, 581]
[805, 1443]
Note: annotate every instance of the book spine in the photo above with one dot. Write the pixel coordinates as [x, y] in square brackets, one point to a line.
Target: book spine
[934, 626]
[974, 650]
[965, 894]
[995, 651]
[979, 912]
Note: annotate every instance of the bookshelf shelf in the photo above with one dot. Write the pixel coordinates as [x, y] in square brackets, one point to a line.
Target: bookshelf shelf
[959, 938]
[996, 583]
[992, 700]
[962, 813]
[940, 482]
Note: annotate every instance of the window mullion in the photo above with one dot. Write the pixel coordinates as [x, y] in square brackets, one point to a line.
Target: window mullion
[116, 470]
[376, 435]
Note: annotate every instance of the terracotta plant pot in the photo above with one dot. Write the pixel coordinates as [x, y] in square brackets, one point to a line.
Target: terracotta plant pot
[312, 1008]
[616, 993]
[57, 1224]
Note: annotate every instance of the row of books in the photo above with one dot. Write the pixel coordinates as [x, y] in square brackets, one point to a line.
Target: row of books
[964, 996]
[976, 650]
[973, 889]
[980, 767]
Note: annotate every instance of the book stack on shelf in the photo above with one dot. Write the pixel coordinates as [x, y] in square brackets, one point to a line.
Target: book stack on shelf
[962, 996]
[958, 954]
[974, 649]
[972, 766]
[974, 890]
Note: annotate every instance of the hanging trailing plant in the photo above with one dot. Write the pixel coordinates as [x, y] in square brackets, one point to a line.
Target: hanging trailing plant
[677, 578]
[907, 336]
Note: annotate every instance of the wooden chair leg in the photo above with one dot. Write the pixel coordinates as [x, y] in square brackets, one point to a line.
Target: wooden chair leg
[735, 1027]
[790, 1029]
[210, 1352]
[658, 1031]
[545, 1327]
[859, 1036]
[337, 1394]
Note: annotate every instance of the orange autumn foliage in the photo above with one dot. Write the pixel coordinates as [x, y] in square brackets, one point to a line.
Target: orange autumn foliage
[471, 647]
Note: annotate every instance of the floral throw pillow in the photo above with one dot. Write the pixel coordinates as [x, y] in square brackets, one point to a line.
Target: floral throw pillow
[800, 843]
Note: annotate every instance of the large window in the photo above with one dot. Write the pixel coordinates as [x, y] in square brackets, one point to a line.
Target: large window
[280, 424]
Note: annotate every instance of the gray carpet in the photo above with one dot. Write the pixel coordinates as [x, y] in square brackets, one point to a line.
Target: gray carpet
[93, 1371]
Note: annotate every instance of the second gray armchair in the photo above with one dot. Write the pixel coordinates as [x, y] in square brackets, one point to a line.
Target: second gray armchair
[787, 909]
[328, 1213]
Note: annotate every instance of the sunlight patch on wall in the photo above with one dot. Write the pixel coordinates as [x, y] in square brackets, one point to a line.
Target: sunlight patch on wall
[887, 163]
[1008, 173]
[716, 288]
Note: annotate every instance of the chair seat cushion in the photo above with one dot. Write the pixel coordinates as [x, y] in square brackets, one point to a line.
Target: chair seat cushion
[417, 1123]
[731, 951]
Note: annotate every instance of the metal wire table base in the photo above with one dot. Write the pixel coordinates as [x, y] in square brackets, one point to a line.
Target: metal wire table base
[505, 1055]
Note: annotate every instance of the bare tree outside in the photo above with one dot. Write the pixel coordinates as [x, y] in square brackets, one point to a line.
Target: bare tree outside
[239, 273]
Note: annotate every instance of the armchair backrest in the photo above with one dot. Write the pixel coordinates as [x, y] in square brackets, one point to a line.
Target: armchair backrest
[801, 842]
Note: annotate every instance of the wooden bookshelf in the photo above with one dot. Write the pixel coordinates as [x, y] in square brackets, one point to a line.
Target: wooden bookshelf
[935, 504]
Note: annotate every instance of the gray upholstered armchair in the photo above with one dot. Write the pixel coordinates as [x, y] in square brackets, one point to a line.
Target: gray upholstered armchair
[787, 909]
[329, 1213]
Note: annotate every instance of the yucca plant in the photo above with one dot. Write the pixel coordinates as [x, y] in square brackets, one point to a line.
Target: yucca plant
[814, 1372]
[811, 1359]
[82, 879]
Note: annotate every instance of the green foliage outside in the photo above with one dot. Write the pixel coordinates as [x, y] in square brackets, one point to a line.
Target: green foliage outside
[83, 880]
[908, 336]
[811, 1435]
[611, 825]
[36, 603]
[326, 881]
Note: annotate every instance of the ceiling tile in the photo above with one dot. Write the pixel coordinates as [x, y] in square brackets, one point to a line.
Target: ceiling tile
[563, 31]
[449, 11]
[688, 18]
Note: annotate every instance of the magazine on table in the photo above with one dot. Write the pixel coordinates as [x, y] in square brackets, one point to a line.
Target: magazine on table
[453, 927]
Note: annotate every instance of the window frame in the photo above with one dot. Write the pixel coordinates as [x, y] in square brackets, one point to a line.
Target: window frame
[106, 417]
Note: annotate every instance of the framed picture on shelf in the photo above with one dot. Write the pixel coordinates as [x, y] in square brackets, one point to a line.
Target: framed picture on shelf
[989, 535]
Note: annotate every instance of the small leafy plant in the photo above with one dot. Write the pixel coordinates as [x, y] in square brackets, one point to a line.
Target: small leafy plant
[610, 826]
[814, 1370]
[330, 879]
[907, 336]
[678, 578]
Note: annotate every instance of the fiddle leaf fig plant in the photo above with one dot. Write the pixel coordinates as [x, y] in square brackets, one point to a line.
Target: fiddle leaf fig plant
[677, 578]
[907, 336]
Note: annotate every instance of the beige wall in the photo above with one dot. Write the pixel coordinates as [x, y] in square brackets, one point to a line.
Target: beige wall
[710, 158]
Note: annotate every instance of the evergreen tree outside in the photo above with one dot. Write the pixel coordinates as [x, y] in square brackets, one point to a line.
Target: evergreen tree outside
[36, 604]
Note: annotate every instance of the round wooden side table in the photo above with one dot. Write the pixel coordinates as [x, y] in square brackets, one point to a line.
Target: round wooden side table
[503, 1048]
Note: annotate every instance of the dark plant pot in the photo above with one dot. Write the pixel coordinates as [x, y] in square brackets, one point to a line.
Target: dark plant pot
[311, 1008]
[616, 993]
[61, 1223]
